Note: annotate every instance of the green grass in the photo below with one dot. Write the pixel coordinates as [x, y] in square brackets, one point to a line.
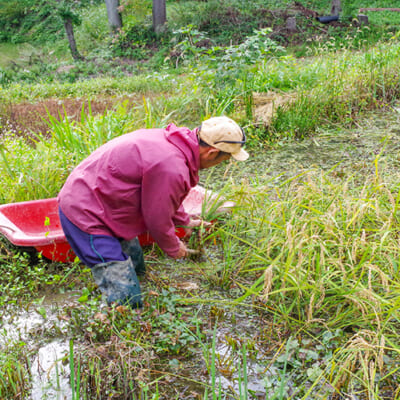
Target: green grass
[37, 171]
[331, 87]
[14, 372]
[331, 240]
[137, 85]
[10, 53]
[221, 24]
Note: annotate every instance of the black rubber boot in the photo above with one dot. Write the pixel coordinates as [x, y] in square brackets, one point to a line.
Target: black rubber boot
[118, 281]
[133, 250]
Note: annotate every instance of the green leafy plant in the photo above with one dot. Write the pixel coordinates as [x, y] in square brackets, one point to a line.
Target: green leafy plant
[14, 371]
[254, 49]
[190, 43]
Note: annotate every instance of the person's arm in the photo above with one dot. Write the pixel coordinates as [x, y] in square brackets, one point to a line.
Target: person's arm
[163, 191]
[181, 217]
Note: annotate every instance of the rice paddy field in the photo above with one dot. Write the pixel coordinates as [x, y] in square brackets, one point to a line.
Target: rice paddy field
[294, 295]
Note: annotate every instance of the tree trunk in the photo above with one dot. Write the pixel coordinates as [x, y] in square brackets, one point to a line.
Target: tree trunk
[159, 15]
[69, 28]
[114, 17]
[291, 24]
[336, 7]
[363, 19]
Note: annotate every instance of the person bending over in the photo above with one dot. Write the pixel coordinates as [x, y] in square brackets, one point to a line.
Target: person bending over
[133, 184]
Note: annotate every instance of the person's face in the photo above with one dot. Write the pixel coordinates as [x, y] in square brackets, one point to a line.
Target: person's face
[210, 156]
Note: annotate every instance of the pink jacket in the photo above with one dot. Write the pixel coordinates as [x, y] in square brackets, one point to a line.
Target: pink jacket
[133, 184]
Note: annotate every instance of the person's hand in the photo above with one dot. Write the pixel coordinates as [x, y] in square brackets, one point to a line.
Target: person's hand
[182, 250]
[195, 222]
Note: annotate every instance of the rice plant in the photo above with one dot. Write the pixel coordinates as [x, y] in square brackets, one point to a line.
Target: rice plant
[324, 253]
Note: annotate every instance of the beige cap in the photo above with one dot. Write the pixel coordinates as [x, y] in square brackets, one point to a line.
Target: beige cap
[220, 132]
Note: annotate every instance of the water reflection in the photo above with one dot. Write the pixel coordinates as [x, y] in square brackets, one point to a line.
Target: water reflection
[49, 376]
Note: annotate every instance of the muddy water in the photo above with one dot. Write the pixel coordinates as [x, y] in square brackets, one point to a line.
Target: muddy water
[351, 151]
[49, 374]
[232, 379]
[50, 377]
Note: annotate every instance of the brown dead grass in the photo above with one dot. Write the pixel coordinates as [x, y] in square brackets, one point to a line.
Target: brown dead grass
[266, 104]
[26, 118]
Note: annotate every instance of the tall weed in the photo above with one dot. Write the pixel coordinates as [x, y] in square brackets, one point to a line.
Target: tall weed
[332, 87]
[29, 172]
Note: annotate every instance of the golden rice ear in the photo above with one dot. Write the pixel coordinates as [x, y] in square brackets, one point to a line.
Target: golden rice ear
[268, 276]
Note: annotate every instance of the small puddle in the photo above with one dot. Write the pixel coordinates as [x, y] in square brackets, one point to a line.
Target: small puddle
[40, 317]
[50, 378]
[50, 375]
[235, 377]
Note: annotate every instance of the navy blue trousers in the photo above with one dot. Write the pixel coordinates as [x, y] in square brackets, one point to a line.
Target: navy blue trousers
[91, 249]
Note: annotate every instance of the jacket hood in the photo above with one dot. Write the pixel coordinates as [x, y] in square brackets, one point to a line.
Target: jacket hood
[186, 141]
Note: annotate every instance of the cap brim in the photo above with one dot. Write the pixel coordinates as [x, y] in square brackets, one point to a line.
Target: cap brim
[241, 155]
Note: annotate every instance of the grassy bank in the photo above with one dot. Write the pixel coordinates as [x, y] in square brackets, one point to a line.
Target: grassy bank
[326, 88]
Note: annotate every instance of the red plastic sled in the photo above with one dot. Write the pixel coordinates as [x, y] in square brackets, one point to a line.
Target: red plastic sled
[36, 224]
